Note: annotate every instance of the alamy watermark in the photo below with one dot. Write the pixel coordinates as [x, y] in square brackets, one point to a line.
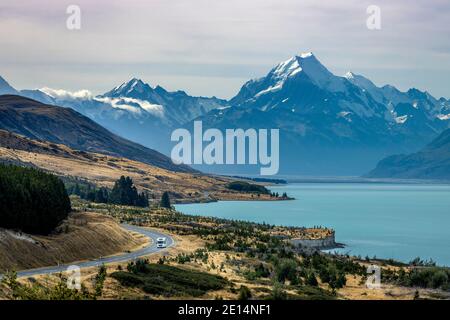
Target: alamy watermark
[227, 148]
[374, 278]
[73, 21]
[74, 277]
[373, 21]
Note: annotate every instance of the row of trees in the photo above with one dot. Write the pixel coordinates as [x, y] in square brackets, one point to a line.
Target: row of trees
[242, 186]
[277, 195]
[31, 200]
[88, 192]
[123, 193]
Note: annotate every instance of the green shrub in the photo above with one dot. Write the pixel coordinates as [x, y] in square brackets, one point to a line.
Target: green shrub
[432, 277]
[277, 292]
[286, 270]
[165, 200]
[311, 280]
[439, 279]
[244, 293]
[314, 293]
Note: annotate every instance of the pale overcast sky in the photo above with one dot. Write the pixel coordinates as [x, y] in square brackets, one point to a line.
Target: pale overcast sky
[211, 47]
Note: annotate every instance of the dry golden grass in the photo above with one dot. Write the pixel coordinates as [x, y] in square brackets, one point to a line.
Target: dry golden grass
[87, 236]
[357, 290]
[105, 170]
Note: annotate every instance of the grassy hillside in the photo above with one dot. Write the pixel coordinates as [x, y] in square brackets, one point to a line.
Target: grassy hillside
[83, 236]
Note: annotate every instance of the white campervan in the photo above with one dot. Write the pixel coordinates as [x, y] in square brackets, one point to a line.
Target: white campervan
[161, 242]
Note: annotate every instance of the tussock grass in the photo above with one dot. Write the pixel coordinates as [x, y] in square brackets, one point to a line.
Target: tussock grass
[167, 280]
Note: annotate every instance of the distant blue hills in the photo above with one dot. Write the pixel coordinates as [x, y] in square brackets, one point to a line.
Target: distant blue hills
[431, 162]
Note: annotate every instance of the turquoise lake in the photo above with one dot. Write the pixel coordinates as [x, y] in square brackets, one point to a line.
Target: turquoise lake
[400, 221]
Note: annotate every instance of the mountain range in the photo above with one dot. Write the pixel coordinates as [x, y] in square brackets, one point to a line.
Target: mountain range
[133, 109]
[333, 125]
[329, 124]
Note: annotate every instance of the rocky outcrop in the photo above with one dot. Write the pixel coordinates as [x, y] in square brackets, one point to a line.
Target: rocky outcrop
[327, 242]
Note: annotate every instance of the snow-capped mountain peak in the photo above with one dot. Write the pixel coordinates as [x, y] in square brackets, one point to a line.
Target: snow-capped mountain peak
[287, 68]
[303, 65]
[365, 84]
[304, 61]
[136, 83]
[319, 74]
[305, 55]
[134, 88]
[278, 75]
[294, 64]
[349, 75]
[354, 77]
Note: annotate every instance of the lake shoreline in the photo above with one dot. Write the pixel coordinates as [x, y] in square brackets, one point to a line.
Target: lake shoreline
[371, 219]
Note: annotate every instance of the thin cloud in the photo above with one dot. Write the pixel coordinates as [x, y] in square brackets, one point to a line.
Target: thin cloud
[186, 44]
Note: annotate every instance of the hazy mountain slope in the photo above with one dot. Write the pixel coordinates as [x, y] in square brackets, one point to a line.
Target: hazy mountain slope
[432, 162]
[133, 109]
[66, 126]
[5, 87]
[38, 96]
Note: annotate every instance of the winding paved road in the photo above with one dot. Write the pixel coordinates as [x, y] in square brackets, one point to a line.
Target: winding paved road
[151, 248]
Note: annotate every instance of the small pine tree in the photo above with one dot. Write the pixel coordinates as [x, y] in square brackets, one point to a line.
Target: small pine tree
[311, 280]
[165, 200]
[90, 196]
[278, 293]
[101, 196]
[142, 200]
[77, 190]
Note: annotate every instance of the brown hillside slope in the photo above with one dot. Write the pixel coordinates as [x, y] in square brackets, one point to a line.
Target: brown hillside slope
[84, 236]
[39, 121]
